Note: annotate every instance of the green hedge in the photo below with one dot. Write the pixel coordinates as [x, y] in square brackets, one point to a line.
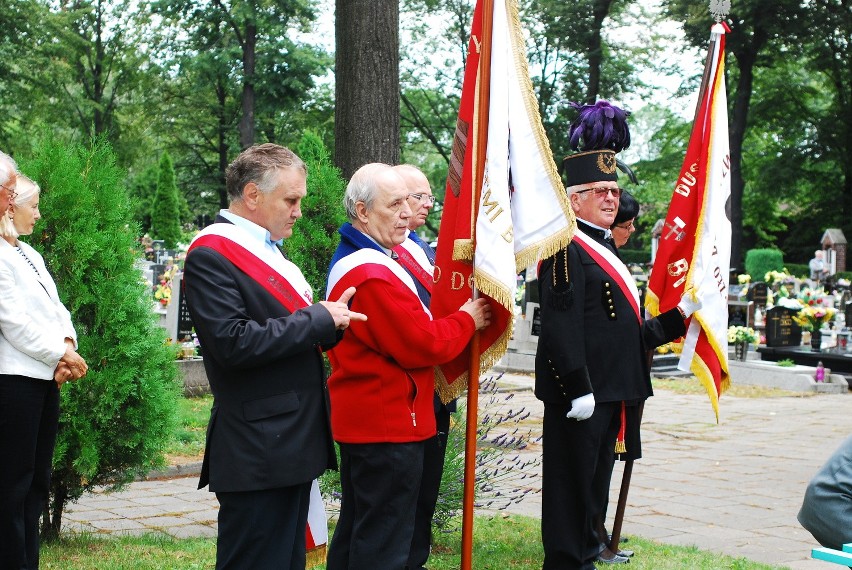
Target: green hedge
[759, 262]
[639, 256]
[800, 270]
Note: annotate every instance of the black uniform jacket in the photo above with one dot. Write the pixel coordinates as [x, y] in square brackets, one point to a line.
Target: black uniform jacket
[591, 340]
[269, 425]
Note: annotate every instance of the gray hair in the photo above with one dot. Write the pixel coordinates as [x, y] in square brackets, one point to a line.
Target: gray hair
[7, 167]
[26, 190]
[260, 164]
[362, 188]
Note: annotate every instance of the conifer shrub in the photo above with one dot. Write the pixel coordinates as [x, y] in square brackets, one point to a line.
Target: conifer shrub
[165, 214]
[116, 420]
[315, 235]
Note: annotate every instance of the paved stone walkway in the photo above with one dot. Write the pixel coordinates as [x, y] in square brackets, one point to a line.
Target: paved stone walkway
[733, 488]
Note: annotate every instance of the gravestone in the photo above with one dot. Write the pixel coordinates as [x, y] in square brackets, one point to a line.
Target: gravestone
[758, 293]
[781, 329]
[178, 321]
[157, 271]
[741, 313]
[847, 313]
[535, 329]
[734, 291]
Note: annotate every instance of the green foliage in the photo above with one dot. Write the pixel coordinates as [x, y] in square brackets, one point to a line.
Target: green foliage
[315, 236]
[800, 270]
[501, 467]
[142, 188]
[165, 215]
[786, 363]
[116, 420]
[636, 256]
[760, 261]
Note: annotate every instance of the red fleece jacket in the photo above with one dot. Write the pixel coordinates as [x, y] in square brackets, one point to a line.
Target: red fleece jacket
[382, 383]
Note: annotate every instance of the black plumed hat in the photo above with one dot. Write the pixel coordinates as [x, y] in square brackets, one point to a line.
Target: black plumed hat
[599, 132]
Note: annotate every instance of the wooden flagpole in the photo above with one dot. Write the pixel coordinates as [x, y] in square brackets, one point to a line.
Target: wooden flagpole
[481, 113]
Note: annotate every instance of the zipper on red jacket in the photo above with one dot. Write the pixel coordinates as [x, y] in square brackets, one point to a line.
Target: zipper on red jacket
[413, 400]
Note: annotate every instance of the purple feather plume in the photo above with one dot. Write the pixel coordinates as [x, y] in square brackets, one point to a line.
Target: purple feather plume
[599, 126]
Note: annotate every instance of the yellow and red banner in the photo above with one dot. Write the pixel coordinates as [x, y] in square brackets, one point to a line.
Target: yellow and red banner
[695, 246]
[519, 214]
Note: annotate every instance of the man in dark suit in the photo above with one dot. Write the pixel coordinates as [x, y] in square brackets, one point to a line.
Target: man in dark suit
[591, 358]
[269, 434]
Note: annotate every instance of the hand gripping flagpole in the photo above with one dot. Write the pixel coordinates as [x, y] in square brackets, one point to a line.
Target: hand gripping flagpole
[480, 148]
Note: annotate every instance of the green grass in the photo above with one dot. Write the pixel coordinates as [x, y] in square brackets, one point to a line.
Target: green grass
[188, 440]
[499, 543]
[691, 385]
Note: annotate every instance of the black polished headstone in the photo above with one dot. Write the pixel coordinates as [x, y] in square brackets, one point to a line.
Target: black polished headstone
[781, 329]
[758, 293]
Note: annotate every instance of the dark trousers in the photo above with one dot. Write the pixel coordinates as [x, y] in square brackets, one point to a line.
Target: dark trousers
[263, 529]
[571, 461]
[380, 484]
[433, 468]
[29, 421]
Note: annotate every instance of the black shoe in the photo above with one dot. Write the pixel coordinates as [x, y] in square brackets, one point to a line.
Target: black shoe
[620, 540]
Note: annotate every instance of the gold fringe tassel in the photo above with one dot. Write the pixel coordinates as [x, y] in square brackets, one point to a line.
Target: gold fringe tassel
[316, 556]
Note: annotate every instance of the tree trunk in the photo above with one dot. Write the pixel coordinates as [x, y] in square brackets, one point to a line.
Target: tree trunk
[247, 122]
[51, 522]
[746, 58]
[222, 143]
[366, 117]
[600, 10]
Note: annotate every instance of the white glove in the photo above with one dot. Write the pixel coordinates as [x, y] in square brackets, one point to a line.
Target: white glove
[582, 407]
[689, 303]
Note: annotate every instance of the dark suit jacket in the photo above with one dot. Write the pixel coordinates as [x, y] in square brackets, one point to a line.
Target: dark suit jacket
[591, 340]
[827, 509]
[269, 425]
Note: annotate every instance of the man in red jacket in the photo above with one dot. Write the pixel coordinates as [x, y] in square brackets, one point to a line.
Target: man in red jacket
[382, 378]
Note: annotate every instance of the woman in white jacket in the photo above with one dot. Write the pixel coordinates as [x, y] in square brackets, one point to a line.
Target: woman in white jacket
[37, 354]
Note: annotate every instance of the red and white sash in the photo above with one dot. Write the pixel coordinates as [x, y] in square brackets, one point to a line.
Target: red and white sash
[413, 258]
[613, 267]
[284, 281]
[279, 276]
[353, 269]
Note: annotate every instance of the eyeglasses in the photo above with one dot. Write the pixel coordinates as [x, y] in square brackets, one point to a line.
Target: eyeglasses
[602, 192]
[427, 198]
[628, 226]
[12, 193]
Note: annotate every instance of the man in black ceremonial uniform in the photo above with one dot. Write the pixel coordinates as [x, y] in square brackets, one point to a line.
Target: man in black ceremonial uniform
[592, 351]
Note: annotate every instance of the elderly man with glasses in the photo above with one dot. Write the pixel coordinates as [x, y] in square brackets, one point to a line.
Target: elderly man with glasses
[592, 351]
[382, 381]
[418, 258]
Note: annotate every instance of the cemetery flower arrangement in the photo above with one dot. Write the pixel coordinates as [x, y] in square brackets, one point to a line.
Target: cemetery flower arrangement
[812, 297]
[790, 303]
[163, 291]
[742, 334]
[812, 317]
[773, 277]
[744, 279]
